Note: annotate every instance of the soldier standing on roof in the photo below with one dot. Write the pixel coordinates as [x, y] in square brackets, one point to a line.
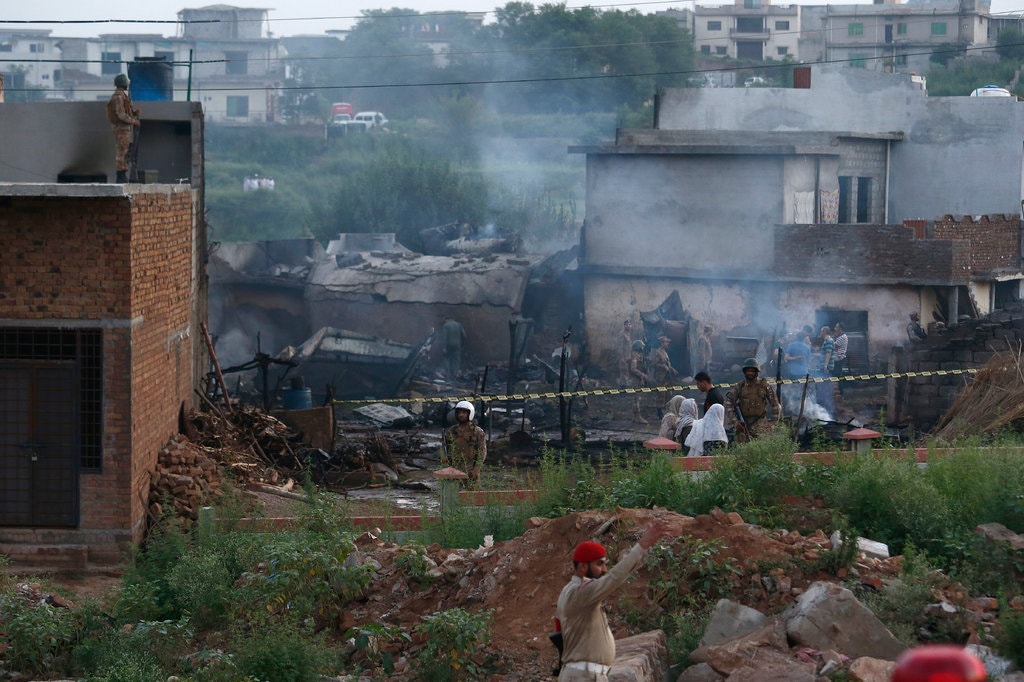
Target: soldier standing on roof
[122, 115]
[746, 403]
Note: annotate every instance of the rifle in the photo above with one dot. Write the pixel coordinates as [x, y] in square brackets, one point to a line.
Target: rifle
[556, 639]
[739, 417]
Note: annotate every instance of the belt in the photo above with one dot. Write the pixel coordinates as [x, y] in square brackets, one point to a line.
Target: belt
[588, 666]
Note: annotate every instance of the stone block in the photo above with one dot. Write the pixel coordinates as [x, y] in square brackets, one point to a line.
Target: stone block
[641, 658]
[828, 616]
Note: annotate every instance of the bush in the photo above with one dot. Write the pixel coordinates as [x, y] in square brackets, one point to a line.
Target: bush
[280, 655]
[452, 638]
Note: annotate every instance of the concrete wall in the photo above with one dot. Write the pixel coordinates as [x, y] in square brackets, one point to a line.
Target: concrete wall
[960, 155]
[42, 140]
[661, 211]
[98, 257]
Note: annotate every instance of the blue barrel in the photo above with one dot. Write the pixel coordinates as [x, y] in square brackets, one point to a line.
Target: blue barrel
[296, 398]
[152, 79]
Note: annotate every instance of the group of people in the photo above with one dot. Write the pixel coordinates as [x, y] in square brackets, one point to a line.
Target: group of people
[744, 409]
[637, 369]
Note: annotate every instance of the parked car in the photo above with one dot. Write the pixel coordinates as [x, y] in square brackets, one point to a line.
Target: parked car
[991, 91]
[370, 120]
[755, 82]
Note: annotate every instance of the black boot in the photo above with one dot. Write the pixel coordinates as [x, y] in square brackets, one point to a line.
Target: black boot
[122, 176]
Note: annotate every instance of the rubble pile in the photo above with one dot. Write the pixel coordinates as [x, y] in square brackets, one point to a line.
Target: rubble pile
[186, 477]
[992, 401]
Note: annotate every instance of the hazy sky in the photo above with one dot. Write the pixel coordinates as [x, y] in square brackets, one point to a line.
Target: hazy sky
[292, 17]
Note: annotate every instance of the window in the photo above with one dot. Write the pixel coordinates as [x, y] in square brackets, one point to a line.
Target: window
[858, 61]
[781, 25]
[855, 29]
[901, 29]
[6, 47]
[721, 50]
[238, 106]
[111, 63]
[714, 26]
[782, 51]
[167, 56]
[900, 60]
[844, 198]
[705, 49]
[938, 28]
[37, 47]
[238, 63]
[751, 4]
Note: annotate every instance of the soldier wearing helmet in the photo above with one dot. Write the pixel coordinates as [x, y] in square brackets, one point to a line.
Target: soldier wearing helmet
[637, 377]
[746, 404]
[465, 443]
[122, 115]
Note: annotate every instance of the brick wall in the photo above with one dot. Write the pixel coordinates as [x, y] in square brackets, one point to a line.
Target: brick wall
[994, 239]
[969, 345]
[125, 264]
[868, 253]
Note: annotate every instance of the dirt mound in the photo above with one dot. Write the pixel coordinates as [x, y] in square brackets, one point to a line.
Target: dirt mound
[520, 579]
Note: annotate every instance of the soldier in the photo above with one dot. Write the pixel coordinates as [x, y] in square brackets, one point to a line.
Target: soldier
[704, 351]
[453, 335]
[465, 443]
[915, 333]
[637, 376]
[662, 370]
[747, 403]
[122, 115]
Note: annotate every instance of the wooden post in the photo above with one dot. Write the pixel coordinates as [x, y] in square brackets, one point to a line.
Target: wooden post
[216, 366]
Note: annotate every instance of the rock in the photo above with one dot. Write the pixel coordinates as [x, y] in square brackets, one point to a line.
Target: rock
[738, 651]
[996, 665]
[828, 616]
[702, 672]
[997, 532]
[769, 665]
[728, 620]
[867, 669]
[641, 658]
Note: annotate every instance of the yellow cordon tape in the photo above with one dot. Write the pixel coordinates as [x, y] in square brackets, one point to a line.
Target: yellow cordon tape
[644, 389]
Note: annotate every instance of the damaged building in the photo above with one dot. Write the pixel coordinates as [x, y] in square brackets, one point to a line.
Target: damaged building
[367, 299]
[103, 294]
[853, 196]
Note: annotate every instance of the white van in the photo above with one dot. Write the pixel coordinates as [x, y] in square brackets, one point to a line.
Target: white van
[371, 119]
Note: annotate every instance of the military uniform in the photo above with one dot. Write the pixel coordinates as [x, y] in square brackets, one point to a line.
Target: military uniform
[121, 114]
[467, 448]
[624, 350]
[588, 641]
[661, 367]
[753, 398]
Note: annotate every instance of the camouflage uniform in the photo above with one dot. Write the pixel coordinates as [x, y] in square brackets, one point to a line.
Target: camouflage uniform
[467, 448]
[121, 114]
[753, 398]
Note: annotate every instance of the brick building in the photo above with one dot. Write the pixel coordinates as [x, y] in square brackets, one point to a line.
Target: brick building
[102, 291]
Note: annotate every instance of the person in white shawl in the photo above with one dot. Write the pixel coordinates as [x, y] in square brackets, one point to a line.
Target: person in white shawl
[668, 422]
[708, 434]
[687, 416]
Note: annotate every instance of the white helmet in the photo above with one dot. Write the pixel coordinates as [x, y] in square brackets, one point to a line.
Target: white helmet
[466, 405]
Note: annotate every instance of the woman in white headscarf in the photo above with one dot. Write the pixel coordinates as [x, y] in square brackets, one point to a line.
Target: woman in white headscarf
[668, 422]
[708, 434]
[687, 416]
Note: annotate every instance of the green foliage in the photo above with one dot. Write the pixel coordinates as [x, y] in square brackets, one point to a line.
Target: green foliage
[38, 636]
[961, 77]
[688, 572]
[902, 604]
[1010, 44]
[412, 561]
[1010, 640]
[754, 475]
[452, 638]
[645, 481]
[371, 641]
[683, 631]
[280, 654]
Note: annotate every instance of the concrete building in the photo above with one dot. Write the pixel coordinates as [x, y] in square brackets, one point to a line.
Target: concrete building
[858, 198]
[221, 56]
[895, 36]
[104, 290]
[753, 30]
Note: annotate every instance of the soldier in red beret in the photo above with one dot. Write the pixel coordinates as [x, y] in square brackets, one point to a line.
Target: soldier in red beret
[588, 644]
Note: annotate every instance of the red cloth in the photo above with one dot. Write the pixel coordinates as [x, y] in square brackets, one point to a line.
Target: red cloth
[587, 552]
